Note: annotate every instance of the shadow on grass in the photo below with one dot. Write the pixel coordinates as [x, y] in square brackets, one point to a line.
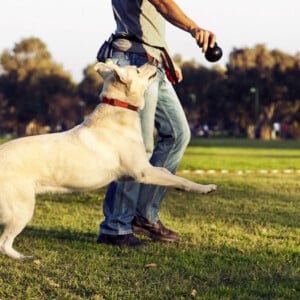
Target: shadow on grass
[214, 269]
[58, 234]
[88, 198]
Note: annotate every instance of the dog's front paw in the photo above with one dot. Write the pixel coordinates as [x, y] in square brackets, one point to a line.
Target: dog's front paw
[210, 188]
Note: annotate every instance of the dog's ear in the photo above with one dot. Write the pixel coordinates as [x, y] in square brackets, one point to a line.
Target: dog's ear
[120, 75]
[106, 69]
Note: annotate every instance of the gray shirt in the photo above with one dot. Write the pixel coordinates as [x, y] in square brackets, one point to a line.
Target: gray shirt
[139, 18]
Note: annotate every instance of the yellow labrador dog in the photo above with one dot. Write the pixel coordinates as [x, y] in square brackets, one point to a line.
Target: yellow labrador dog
[86, 157]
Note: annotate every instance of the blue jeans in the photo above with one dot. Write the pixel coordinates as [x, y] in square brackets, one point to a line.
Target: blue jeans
[162, 110]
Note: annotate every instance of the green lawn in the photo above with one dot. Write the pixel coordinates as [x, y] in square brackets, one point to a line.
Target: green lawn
[241, 154]
[242, 242]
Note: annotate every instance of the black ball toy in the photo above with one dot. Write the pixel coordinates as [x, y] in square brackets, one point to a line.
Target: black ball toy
[213, 54]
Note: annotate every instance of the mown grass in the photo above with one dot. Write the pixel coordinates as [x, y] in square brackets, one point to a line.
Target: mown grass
[242, 242]
[242, 154]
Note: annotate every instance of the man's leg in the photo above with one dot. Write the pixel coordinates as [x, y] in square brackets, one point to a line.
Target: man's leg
[174, 135]
[122, 197]
[119, 206]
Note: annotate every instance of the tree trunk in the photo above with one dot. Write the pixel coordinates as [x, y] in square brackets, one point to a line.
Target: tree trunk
[266, 131]
[295, 130]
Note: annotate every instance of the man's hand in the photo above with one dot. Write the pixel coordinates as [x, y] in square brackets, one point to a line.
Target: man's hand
[204, 38]
[178, 73]
[174, 14]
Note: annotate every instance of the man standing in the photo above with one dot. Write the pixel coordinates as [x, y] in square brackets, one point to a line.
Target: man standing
[140, 38]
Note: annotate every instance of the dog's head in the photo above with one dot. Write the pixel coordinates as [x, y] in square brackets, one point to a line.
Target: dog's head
[126, 84]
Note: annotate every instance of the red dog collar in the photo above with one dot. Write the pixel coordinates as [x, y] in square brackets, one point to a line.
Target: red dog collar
[115, 102]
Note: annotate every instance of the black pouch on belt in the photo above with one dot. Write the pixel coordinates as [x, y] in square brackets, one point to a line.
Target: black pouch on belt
[105, 50]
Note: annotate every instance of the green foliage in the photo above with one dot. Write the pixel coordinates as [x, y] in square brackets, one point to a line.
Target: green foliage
[90, 86]
[273, 75]
[200, 89]
[223, 97]
[30, 79]
[241, 242]
[34, 87]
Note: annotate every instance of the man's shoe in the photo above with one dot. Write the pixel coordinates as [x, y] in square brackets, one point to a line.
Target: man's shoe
[127, 240]
[156, 231]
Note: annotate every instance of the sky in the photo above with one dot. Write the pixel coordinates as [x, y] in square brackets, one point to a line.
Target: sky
[74, 30]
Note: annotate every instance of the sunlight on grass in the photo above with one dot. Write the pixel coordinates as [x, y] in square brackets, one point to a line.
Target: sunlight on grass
[242, 155]
[241, 242]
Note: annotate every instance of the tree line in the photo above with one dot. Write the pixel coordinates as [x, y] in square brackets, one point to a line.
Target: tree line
[258, 87]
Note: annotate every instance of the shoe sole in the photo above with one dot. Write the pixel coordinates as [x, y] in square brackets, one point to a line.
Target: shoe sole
[139, 230]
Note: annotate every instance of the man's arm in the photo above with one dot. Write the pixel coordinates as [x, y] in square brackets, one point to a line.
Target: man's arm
[173, 14]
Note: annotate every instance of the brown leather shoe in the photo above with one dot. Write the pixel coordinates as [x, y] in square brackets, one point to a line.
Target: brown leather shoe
[156, 231]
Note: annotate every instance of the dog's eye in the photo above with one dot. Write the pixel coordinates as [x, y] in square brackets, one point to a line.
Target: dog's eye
[138, 71]
[153, 75]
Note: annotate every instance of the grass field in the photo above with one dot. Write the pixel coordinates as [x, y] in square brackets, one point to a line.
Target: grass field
[241, 154]
[242, 242]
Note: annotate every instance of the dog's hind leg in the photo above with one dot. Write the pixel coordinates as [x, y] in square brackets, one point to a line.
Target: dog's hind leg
[11, 230]
[15, 214]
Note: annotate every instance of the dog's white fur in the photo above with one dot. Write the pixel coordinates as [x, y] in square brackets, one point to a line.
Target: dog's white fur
[107, 146]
